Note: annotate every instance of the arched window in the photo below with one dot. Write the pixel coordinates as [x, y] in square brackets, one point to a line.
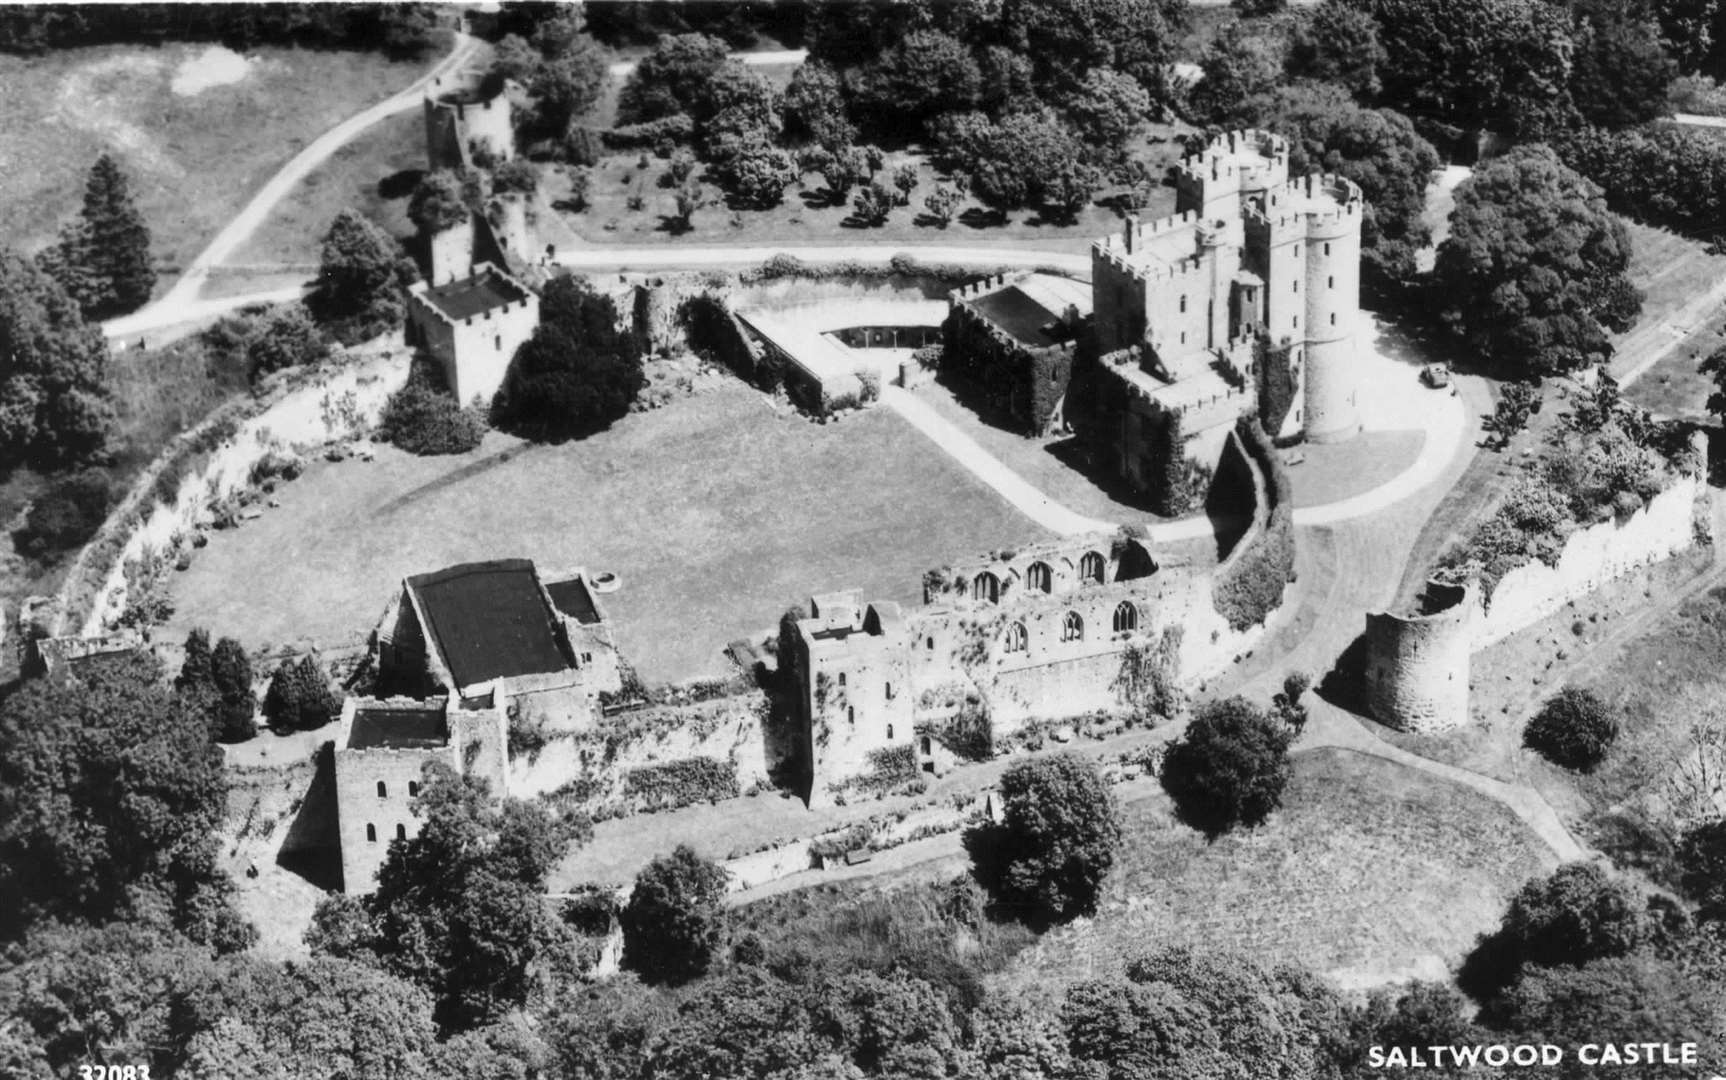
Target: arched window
[841, 678]
[1040, 577]
[1091, 567]
[986, 586]
[401, 832]
[850, 714]
[931, 644]
[1016, 637]
[889, 691]
[1183, 304]
[1126, 618]
[371, 834]
[1297, 284]
[889, 731]
[383, 791]
[1072, 627]
[413, 788]
[1333, 318]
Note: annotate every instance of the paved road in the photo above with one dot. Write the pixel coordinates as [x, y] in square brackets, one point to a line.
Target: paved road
[1695, 120]
[623, 68]
[178, 303]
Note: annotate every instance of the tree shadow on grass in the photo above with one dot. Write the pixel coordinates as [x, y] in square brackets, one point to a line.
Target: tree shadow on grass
[400, 184]
[978, 218]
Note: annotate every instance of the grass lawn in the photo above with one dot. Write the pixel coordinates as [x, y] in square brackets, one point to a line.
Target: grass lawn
[805, 217]
[1368, 870]
[374, 174]
[1672, 271]
[193, 159]
[716, 512]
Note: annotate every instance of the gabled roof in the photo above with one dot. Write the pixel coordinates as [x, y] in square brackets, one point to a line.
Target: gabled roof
[490, 620]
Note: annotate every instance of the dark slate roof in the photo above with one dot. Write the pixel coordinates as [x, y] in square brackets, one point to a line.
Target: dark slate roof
[1016, 313]
[473, 296]
[573, 599]
[489, 620]
[398, 729]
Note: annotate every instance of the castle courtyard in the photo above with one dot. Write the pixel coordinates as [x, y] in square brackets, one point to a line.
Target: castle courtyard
[715, 512]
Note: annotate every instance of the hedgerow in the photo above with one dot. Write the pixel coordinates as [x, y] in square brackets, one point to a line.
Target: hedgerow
[672, 784]
[1249, 584]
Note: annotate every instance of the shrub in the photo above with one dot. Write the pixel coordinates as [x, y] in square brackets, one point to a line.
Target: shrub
[67, 514]
[1249, 586]
[515, 175]
[422, 419]
[1573, 729]
[675, 920]
[1229, 769]
[299, 697]
[871, 380]
[1057, 839]
[671, 784]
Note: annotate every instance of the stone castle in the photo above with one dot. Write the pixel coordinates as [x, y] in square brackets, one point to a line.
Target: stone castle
[1250, 292]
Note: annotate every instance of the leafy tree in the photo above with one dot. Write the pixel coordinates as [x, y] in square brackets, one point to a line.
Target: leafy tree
[285, 337]
[1286, 704]
[1057, 840]
[745, 1023]
[1574, 729]
[1067, 190]
[55, 407]
[1533, 273]
[426, 419]
[891, 1025]
[845, 168]
[1107, 112]
[459, 907]
[1259, 8]
[1337, 42]
[325, 1016]
[873, 205]
[568, 85]
[1377, 149]
[753, 171]
[1517, 402]
[1243, 61]
[117, 242]
[1580, 913]
[738, 103]
[815, 107]
[674, 922]
[675, 77]
[680, 168]
[517, 175]
[924, 73]
[299, 697]
[905, 182]
[942, 204]
[110, 796]
[1065, 39]
[1016, 1039]
[1615, 1000]
[361, 278]
[1621, 69]
[1499, 64]
[1417, 1016]
[66, 515]
[1229, 769]
[76, 994]
[689, 200]
[576, 374]
[1006, 161]
[512, 57]
[446, 198]
[1702, 858]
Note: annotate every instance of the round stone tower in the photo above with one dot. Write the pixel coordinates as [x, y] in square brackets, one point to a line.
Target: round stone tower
[465, 112]
[1417, 664]
[1331, 322]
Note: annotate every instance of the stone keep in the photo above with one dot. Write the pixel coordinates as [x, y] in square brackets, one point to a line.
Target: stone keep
[466, 111]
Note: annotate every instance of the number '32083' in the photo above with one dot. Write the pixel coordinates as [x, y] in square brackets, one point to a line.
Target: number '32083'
[113, 1072]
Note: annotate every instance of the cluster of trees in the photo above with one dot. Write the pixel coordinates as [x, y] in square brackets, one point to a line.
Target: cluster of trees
[55, 406]
[576, 374]
[363, 275]
[111, 792]
[407, 29]
[546, 48]
[299, 697]
[102, 259]
[218, 681]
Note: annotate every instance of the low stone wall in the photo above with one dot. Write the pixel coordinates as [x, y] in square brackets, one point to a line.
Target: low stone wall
[1592, 557]
[339, 400]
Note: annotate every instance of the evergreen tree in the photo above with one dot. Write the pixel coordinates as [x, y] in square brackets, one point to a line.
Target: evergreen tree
[231, 678]
[117, 254]
[299, 697]
[195, 670]
[54, 404]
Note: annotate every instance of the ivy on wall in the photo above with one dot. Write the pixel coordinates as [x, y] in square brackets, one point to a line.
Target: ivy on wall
[1249, 585]
[1276, 384]
[672, 784]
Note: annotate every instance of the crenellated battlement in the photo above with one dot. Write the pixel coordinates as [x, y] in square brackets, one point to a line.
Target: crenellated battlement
[1315, 201]
[1237, 153]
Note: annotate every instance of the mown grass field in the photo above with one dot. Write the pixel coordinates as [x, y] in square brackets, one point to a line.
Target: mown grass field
[716, 512]
[193, 159]
[1369, 870]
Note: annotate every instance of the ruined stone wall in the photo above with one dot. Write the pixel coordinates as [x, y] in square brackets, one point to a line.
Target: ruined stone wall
[1417, 664]
[1592, 557]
